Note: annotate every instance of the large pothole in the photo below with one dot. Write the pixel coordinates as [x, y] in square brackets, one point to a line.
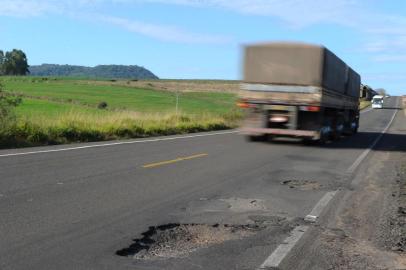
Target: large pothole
[302, 184]
[178, 240]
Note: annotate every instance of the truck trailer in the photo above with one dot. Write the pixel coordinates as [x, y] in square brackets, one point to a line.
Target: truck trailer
[298, 90]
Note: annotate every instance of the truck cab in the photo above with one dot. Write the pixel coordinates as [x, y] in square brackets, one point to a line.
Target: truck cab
[377, 102]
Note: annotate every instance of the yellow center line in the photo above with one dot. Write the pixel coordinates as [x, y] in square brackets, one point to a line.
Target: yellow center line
[152, 165]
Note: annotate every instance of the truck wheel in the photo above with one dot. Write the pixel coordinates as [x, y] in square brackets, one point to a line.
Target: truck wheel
[354, 127]
[324, 137]
[338, 129]
[256, 138]
[325, 132]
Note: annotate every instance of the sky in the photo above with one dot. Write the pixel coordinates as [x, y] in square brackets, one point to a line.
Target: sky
[203, 39]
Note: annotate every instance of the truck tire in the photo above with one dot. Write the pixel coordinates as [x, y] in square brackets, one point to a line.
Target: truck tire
[325, 132]
[323, 138]
[354, 127]
[338, 129]
[256, 138]
[351, 127]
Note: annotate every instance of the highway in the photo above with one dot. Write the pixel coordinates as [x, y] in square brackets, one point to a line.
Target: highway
[74, 206]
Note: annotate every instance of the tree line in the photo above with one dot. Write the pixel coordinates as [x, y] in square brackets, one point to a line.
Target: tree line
[100, 71]
[13, 63]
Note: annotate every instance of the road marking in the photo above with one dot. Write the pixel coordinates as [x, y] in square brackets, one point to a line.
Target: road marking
[364, 154]
[277, 256]
[153, 165]
[118, 143]
[319, 207]
[283, 249]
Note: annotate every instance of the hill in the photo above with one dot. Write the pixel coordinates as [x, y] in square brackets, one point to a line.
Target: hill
[101, 71]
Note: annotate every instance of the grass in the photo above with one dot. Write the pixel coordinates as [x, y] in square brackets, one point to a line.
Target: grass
[85, 127]
[39, 108]
[364, 103]
[56, 110]
[88, 93]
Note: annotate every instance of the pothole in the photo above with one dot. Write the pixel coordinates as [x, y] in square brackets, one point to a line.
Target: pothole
[302, 184]
[178, 240]
[400, 245]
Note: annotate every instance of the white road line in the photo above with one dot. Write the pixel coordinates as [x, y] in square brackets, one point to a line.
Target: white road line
[318, 208]
[277, 256]
[364, 154]
[283, 249]
[118, 143]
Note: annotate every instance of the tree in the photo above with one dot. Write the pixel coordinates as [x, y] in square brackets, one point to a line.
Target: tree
[381, 91]
[1, 61]
[15, 63]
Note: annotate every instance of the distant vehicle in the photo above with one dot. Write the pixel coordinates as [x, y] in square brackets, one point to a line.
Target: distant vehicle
[298, 90]
[377, 102]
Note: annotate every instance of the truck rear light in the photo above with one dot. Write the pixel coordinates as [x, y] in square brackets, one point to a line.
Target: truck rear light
[245, 105]
[310, 108]
[279, 119]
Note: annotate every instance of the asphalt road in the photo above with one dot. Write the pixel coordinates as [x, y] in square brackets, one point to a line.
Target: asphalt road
[73, 207]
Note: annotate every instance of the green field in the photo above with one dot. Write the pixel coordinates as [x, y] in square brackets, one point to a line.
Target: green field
[120, 97]
[56, 110]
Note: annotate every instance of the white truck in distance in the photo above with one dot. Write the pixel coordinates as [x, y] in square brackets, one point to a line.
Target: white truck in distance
[377, 102]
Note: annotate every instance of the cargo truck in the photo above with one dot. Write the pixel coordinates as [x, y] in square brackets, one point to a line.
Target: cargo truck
[298, 90]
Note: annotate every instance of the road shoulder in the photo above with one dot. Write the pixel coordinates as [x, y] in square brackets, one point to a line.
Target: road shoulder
[366, 228]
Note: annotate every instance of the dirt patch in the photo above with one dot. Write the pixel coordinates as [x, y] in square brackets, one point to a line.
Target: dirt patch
[178, 240]
[302, 184]
[351, 253]
[399, 221]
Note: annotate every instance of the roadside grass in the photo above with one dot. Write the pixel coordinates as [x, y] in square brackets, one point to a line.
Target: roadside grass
[57, 111]
[76, 126]
[364, 103]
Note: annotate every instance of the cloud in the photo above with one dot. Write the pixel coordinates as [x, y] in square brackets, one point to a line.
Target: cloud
[389, 58]
[77, 9]
[163, 32]
[384, 34]
[296, 13]
[25, 8]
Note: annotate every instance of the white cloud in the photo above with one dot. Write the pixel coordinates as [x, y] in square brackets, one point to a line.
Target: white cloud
[384, 34]
[77, 9]
[25, 8]
[163, 32]
[389, 58]
[387, 77]
[297, 13]
[393, 43]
